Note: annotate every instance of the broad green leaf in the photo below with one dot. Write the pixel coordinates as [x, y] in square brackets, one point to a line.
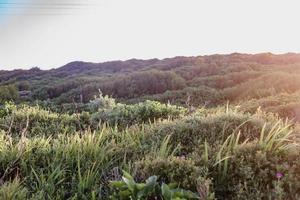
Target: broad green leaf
[117, 184]
[127, 175]
[172, 185]
[125, 194]
[150, 185]
[166, 192]
[140, 186]
[130, 183]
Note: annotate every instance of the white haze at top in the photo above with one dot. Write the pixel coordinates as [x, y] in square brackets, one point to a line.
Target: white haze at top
[44, 34]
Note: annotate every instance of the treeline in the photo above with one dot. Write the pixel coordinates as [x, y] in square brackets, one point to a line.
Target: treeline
[186, 81]
[122, 86]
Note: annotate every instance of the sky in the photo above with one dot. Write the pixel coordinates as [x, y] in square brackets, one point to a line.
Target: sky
[51, 33]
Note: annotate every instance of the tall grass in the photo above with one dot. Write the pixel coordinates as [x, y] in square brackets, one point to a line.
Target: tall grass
[80, 164]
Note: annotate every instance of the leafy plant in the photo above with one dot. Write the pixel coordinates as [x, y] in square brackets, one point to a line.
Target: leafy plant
[129, 189]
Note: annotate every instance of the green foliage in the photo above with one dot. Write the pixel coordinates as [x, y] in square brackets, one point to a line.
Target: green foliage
[8, 93]
[269, 84]
[206, 79]
[3, 111]
[129, 189]
[13, 191]
[36, 121]
[101, 103]
[178, 170]
[243, 169]
[172, 193]
[189, 96]
[225, 81]
[214, 128]
[252, 175]
[228, 153]
[60, 144]
[126, 115]
[46, 184]
[23, 85]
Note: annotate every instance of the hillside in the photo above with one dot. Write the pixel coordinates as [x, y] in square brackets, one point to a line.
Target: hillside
[208, 80]
[206, 127]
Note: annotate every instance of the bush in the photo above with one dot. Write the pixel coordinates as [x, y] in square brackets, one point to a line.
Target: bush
[34, 121]
[126, 115]
[8, 93]
[178, 170]
[190, 132]
[101, 103]
[252, 174]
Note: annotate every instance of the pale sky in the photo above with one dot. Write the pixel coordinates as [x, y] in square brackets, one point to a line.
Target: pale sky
[51, 33]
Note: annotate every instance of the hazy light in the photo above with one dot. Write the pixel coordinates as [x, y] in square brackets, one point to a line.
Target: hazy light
[50, 33]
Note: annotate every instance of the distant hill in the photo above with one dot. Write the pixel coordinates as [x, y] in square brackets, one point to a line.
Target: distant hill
[205, 80]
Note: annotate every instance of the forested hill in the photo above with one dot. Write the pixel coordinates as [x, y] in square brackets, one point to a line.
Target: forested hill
[267, 80]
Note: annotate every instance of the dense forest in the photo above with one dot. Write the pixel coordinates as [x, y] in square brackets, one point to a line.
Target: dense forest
[266, 80]
[205, 127]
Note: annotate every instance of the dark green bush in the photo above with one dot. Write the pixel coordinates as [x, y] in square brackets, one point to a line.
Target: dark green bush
[8, 93]
[252, 174]
[178, 170]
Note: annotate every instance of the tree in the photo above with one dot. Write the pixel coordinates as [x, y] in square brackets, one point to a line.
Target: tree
[8, 93]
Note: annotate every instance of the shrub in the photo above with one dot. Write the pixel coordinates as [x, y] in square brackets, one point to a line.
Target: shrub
[178, 170]
[252, 175]
[36, 121]
[8, 93]
[215, 127]
[126, 115]
[101, 103]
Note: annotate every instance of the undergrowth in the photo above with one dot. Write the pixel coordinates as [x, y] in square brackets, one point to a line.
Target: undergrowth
[218, 153]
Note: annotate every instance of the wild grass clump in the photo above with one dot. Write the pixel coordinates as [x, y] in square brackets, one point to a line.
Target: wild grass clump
[245, 169]
[13, 190]
[252, 174]
[213, 128]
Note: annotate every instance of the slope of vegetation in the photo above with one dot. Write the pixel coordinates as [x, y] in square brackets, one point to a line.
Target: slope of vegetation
[207, 127]
[208, 81]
